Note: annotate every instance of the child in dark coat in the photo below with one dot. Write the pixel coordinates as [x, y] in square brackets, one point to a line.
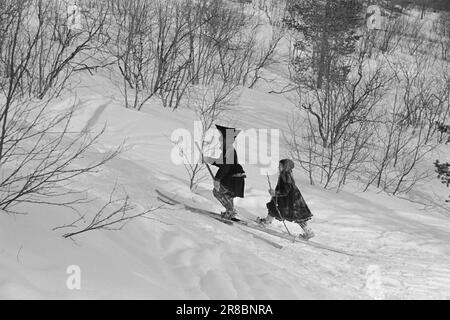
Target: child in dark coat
[287, 201]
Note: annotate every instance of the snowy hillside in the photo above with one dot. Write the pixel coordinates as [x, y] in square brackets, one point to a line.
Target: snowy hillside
[179, 254]
[398, 248]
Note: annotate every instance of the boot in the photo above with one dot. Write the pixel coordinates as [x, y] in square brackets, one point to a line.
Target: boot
[228, 215]
[265, 221]
[308, 233]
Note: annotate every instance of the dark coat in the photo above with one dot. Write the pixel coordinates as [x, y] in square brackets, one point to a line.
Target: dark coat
[291, 204]
[231, 176]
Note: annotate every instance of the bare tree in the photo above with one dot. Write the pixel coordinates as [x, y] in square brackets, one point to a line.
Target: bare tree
[402, 152]
[149, 41]
[340, 116]
[274, 10]
[37, 147]
[405, 135]
[217, 41]
[209, 103]
[414, 39]
[441, 27]
[425, 91]
[162, 47]
[389, 39]
[114, 215]
[55, 50]
[260, 57]
[223, 56]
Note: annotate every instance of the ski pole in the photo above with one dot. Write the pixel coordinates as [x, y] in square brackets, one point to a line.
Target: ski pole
[276, 206]
[209, 168]
[207, 165]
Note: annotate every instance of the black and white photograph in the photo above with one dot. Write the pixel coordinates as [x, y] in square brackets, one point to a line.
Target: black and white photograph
[251, 151]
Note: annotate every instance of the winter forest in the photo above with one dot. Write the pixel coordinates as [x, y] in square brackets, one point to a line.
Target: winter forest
[115, 115]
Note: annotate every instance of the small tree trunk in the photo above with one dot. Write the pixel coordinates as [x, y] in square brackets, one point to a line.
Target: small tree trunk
[323, 48]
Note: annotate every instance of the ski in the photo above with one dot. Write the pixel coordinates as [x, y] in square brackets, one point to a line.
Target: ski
[298, 239]
[167, 200]
[255, 226]
[272, 243]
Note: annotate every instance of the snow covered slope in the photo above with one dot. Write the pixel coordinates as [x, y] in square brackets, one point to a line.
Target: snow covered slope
[403, 251]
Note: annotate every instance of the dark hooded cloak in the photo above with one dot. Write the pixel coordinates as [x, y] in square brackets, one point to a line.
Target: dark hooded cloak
[288, 197]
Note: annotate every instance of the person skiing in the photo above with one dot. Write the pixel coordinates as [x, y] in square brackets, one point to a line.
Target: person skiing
[229, 181]
[287, 202]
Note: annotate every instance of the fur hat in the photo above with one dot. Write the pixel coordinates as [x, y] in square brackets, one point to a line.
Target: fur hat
[229, 135]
